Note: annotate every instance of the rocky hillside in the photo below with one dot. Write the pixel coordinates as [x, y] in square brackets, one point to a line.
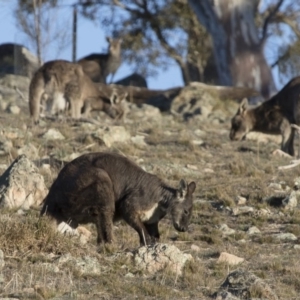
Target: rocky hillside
[243, 240]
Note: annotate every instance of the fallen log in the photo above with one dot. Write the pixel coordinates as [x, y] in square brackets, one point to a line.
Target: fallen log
[163, 98]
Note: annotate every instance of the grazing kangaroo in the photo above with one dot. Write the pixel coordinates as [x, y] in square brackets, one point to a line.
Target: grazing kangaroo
[98, 65]
[101, 188]
[67, 84]
[274, 116]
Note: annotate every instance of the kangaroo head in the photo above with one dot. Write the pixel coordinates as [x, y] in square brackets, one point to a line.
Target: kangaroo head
[182, 206]
[114, 45]
[240, 123]
[116, 108]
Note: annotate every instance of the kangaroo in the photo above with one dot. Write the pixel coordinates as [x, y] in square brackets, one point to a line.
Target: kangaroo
[62, 80]
[98, 65]
[101, 188]
[274, 116]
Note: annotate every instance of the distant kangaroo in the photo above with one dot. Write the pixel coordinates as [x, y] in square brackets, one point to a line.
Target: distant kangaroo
[274, 116]
[101, 188]
[98, 65]
[66, 83]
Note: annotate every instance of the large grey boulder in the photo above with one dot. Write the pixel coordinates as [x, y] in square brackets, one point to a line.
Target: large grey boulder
[21, 185]
[159, 256]
[17, 59]
[240, 283]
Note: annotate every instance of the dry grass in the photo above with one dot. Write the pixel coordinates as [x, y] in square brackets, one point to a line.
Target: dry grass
[223, 170]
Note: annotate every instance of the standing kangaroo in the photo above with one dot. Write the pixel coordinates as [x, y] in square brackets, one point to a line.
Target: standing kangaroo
[101, 188]
[98, 65]
[66, 83]
[274, 116]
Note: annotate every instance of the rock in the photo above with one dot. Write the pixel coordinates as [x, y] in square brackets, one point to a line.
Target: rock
[138, 140]
[253, 230]
[263, 138]
[82, 232]
[242, 284]
[21, 186]
[159, 256]
[195, 248]
[297, 184]
[86, 265]
[291, 201]
[112, 134]
[200, 133]
[53, 134]
[6, 146]
[284, 237]
[226, 230]
[197, 142]
[30, 151]
[16, 59]
[144, 112]
[229, 259]
[2, 262]
[240, 200]
[263, 212]
[13, 109]
[224, 295]
[242, 210]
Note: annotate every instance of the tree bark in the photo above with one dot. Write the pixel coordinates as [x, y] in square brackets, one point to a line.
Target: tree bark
[238, 49]
[37, 23]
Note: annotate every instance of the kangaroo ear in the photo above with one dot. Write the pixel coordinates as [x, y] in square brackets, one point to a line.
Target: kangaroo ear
[191, 187]
[113, 98]
[125, 97]
[109, 39]
[243, 106]
[182, 190]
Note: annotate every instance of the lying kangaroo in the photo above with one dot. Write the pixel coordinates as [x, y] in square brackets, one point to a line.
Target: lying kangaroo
[274, 116]
[101, 188]
[98, 65]
[60, 79]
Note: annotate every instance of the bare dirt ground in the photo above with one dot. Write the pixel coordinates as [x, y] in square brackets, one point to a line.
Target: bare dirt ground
[198, 150]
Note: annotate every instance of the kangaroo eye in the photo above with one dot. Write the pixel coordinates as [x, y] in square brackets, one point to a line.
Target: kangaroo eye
[186, 212]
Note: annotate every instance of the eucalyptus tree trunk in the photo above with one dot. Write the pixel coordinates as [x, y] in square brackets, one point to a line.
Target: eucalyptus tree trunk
[238, 50]
[37, 22]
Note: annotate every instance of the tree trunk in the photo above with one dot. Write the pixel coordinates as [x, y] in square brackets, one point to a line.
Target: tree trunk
[238, 51]
[37, 23]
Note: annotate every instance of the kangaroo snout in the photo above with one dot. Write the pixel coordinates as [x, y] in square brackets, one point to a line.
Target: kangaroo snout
[180, 228]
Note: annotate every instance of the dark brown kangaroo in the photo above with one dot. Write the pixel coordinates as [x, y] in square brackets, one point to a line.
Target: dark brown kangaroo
[274, 116]
[101, 188]
[98, 65]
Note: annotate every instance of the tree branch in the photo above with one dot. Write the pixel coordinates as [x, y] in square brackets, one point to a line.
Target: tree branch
[269, 19]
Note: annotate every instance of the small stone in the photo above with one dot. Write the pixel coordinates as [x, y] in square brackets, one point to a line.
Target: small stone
[229, 259]
[138, 140]
[197, 142]
[192, 167]
[291, 201]
[241, 200]
[195, 248]
[13, 109]
[53, 134]
[226, 230]
[253, 230]
[242, 210]
[284, 237]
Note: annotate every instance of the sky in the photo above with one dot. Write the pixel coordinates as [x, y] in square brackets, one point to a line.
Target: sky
[91, 39]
